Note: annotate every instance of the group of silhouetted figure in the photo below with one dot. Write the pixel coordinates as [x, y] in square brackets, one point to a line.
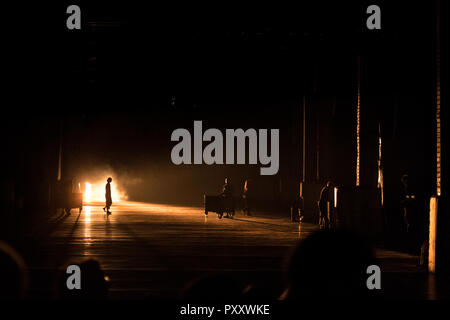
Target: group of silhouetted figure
[246, 200]
[328, 263]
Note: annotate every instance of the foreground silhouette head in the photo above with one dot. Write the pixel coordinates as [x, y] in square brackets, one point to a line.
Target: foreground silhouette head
[13, 273]
[94, 284]
[329, 263]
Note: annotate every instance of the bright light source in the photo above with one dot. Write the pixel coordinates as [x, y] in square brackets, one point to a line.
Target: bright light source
[88, 192]
[335, 197]
[96, 192]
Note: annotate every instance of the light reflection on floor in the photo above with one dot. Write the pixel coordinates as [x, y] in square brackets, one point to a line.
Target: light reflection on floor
[156, 248]
[141, 217]
[87, 214]
[145, 207]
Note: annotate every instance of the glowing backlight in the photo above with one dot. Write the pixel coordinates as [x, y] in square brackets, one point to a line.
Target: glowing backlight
[88, 192]
[96, 192]
[335, 197]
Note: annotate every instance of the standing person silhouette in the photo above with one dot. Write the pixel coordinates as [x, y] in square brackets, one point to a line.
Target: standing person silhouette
[227, 189]
[108, 197]
[324, 206]
[227, 197]
[246, 195]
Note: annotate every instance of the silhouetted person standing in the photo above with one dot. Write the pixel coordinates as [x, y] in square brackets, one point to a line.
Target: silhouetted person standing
[324, 200]
[297, 209]
[227, 197]
[407, 198]
[227, 189]
[246, 197]
[108, 197]
[412, 214]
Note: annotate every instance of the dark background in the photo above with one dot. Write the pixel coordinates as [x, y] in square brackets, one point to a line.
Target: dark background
[135, 72]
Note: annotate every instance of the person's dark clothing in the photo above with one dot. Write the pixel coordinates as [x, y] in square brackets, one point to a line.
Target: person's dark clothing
[297, 209]
[227, 198]
[323, 200]
[246, 199]
[407, 206]
[413, 218]
[108, 195]
[227, 190]
[324, 214]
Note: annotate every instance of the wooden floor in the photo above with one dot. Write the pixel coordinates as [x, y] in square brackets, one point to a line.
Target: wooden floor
[151, 250]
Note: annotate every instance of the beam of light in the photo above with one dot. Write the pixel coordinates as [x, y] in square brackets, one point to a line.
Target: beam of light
[87, 214]
[154, 208]
[88, 192]
[87, 226]
[95, 191]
